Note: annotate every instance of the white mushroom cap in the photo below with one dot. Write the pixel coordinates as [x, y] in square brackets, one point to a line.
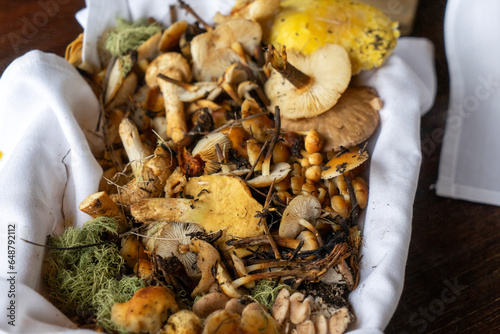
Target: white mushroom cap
[166, 240]
[300, 208]
[329, 69]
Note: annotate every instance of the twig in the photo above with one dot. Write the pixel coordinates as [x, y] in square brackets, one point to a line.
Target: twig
[196, 16]
[256, 161]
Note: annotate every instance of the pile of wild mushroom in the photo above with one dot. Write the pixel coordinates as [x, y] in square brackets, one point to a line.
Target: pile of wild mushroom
[230, 164]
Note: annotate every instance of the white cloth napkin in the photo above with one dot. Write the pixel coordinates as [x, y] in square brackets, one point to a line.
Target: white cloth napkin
[470, 154]
[48, 114]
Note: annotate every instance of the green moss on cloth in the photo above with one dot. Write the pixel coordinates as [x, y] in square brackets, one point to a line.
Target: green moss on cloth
[85, 282]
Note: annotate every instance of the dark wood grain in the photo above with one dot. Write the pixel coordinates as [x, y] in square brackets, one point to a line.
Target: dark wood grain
[452, 280]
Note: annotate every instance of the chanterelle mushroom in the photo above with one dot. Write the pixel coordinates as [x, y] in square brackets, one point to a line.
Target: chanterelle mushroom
[175, 66]
[307, 86]
[218, 202]
[300, 213]
[350, 122]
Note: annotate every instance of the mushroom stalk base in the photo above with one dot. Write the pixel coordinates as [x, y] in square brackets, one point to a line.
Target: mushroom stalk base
[279, 62]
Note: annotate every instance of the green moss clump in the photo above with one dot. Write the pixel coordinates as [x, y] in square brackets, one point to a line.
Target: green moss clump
[85, 282]
[128, 36]
[265, 292]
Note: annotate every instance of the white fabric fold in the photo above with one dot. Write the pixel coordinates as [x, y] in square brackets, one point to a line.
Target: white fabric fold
[48, 113]
[470, 154]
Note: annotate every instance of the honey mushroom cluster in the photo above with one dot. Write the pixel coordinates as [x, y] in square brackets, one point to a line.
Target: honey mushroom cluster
[228, 164]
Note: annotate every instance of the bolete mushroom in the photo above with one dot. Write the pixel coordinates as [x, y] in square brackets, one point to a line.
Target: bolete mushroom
[307, 86]
[175, 66]
[350, 122]
[301, 213]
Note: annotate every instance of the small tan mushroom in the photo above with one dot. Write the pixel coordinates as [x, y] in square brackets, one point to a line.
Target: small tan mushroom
[175, 66]
[146, 311]
[171, 36]
[256, 320]
[321, 324]
[306, 327]
[260, 126]
[148, 50]
[210, 303]
[301, 212]
[339, 321]
[300, 308]
[183, 322]
[236, 305]
[222, 321]
[132, 250]
[307, 86]
[350, 122]
[281, 306]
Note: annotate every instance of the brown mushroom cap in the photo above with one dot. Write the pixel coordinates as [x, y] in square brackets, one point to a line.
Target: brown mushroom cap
[205, 46]
[351, 121]
[329, 69]
[301, 207]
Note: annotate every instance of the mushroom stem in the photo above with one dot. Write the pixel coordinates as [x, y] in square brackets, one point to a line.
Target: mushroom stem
[311, 228]
[187, 86]
[267, 275]
[272, 264]
[263, 241]
[132, 144]
[288, 71]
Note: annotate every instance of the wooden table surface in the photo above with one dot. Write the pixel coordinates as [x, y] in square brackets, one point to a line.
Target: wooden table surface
[452, 276]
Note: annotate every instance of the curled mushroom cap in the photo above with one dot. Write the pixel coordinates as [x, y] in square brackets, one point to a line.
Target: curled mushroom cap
[301, 210]
[325, 74]
[207, 149]
[166, 239]
[350, 122]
